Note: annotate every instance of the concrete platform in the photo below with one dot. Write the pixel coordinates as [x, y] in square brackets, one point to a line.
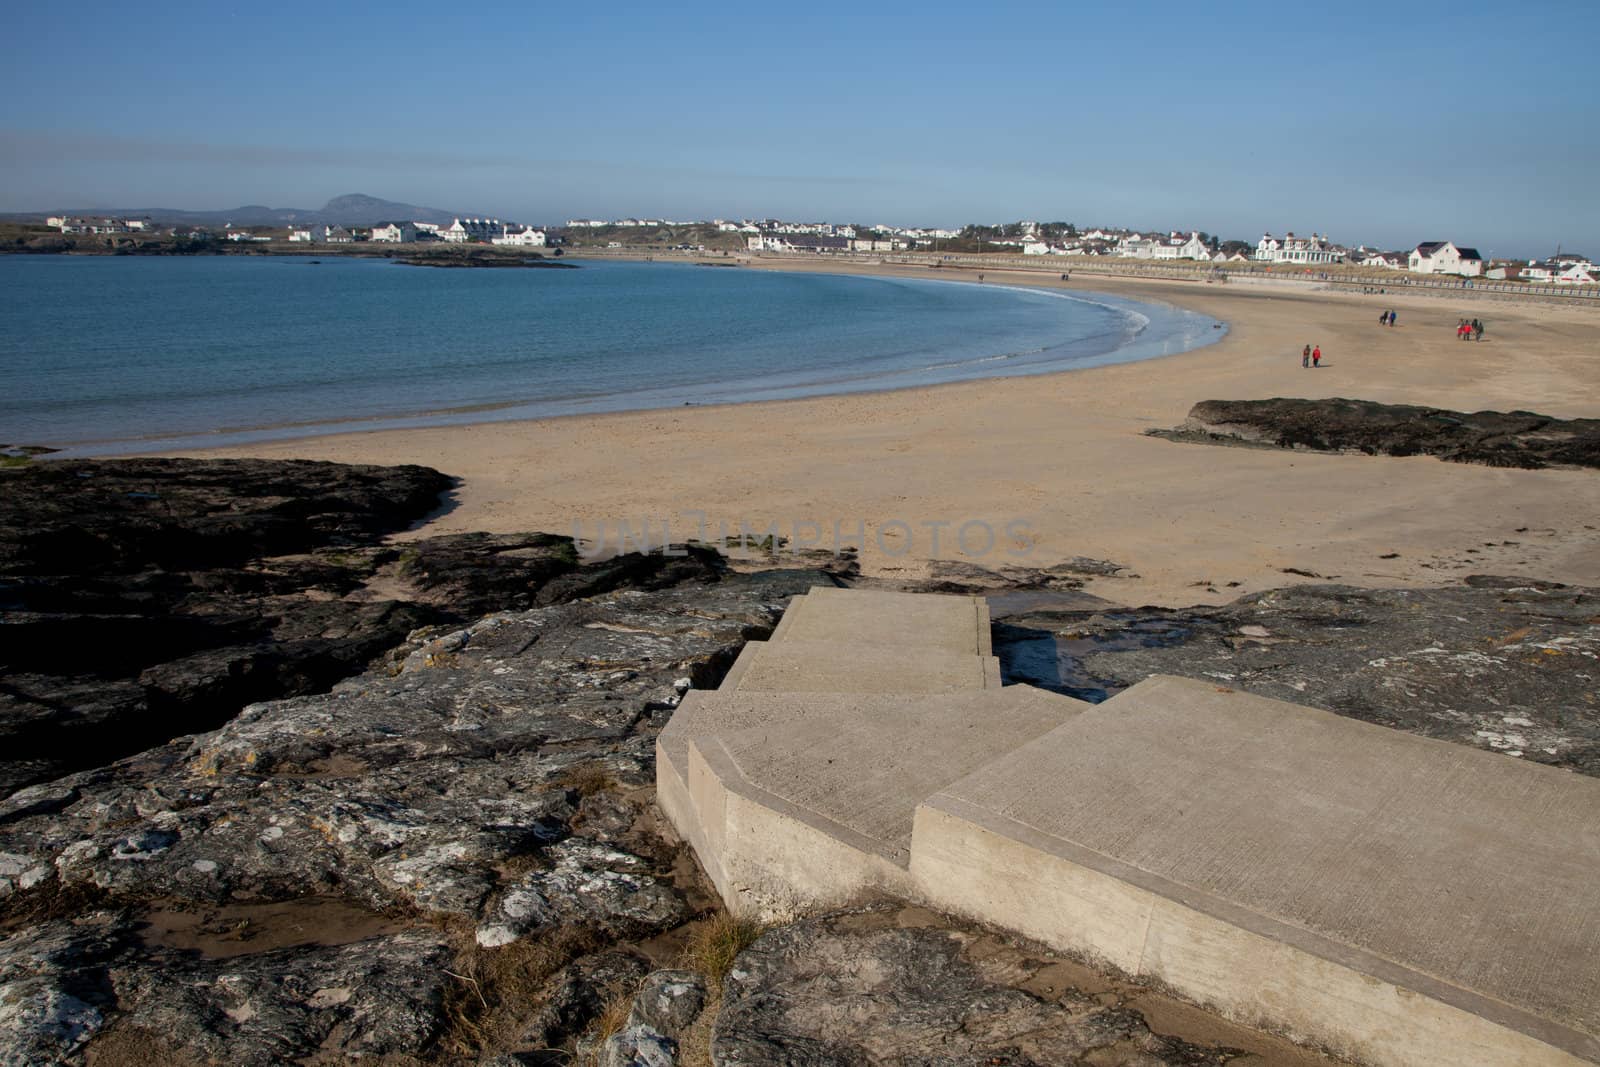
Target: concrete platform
[1395, 898]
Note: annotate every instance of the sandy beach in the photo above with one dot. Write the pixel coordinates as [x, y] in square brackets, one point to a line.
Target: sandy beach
[1056, 465]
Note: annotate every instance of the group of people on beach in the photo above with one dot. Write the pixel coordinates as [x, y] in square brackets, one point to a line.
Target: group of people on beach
[1469, 328]
[1311, 357]
[1386, 318]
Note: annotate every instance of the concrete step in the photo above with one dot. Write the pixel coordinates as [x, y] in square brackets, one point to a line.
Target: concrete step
[1398, 899]
[870, 618]
[815, 793]
[802, 666]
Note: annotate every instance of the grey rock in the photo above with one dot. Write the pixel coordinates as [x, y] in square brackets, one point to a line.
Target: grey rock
[637, 1045]
[575, 997]
[481, 778]
[1503, 664]
[588, 883]
[836, 990]
[373, 998]
[53, 997]
[668, 1001]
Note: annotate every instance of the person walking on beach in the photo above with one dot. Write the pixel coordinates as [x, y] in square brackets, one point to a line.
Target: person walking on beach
[1477, 329]
[1391, 318]
[1305, 356]
[1316, 356]
[1383, 318]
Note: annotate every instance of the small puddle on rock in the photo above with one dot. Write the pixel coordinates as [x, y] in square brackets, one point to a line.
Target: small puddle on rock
[242, 929]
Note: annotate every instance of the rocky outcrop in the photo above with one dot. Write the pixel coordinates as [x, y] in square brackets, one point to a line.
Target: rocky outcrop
[1499, 663]
[484, 793]
[1499, 439]
[146, 599]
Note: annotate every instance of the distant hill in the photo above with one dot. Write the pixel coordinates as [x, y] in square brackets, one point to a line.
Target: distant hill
[352, 209]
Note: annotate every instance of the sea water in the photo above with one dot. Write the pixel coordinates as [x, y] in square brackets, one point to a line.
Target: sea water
[102, 355]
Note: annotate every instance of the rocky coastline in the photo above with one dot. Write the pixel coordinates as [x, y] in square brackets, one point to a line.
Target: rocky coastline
[394, 800]
[1498, 439]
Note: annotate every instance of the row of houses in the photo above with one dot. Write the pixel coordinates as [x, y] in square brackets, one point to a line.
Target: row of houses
[460, 231]
[76, 224]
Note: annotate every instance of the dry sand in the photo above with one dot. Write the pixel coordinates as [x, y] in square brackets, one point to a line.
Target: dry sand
[1060, 458]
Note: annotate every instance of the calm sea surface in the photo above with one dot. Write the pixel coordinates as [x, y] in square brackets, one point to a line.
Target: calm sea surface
[101, 355]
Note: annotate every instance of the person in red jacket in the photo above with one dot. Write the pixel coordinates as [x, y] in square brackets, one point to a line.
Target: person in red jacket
[1316, 356]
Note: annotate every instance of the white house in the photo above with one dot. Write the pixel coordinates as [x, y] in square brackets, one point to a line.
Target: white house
[1035, 248]
[1136, 247]
[1292, 249]
[462, 231]
[1577, 274]
[1230, 257]
[395, 232]
[1444, 257]
[300, 235]
[333, 235]
[1385, 260]
[1180, 247]
[527, 237]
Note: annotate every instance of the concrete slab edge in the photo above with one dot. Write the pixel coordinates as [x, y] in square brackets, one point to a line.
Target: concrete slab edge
[1512, 1024]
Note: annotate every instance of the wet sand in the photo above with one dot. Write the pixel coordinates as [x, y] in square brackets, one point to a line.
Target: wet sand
[1056, 465]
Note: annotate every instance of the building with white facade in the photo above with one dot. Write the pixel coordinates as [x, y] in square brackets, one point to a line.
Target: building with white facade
[395, 232]
[462, 231]
[300, 236]
[1445, 257]
[1292, 249]
[1385, 260]
[527, 237]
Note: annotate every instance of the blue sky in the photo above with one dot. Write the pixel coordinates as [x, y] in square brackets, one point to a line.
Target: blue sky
[1384, 123]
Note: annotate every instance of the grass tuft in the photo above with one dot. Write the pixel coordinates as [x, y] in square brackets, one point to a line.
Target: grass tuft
[586, 778]
[713, 947]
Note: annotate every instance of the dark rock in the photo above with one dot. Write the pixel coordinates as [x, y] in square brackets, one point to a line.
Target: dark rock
[369, 999]
[668, 1002]
[144, 599]
[74, 517]
[575, 997]
[840, 990]
[147, 599]
[1500, 663]
[1499, 439]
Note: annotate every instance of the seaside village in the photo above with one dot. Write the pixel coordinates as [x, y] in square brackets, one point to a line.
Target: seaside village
[1307, 253]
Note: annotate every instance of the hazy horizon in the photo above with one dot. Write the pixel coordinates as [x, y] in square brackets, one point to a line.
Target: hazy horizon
[1384, 125]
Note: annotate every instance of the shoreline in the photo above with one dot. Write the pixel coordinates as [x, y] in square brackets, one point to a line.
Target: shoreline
[1062, 453]
[1170, 332]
